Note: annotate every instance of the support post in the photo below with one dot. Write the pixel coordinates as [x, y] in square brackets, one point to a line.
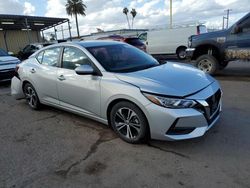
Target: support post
[55, 32]
[5, 40]
[62, 32]
[43, 36]
[27, 28]
[70, 37]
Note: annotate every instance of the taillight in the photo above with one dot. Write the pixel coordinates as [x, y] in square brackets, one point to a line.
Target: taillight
[16, 69]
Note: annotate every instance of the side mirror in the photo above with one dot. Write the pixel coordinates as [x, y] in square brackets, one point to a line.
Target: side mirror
[85, 70]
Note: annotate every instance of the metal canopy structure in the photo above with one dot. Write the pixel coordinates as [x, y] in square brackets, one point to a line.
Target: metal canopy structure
[10, 23]
[22, 22]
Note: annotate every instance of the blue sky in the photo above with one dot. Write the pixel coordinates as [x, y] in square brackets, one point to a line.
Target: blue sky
[40, 6]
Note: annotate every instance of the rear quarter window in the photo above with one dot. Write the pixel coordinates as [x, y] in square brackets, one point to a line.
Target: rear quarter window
[39, 57]
[49, 57]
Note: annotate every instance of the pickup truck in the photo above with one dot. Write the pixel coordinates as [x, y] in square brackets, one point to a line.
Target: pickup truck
[212, 51]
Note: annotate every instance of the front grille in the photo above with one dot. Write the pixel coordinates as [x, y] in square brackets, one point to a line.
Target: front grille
[211, 111]
[213, 102]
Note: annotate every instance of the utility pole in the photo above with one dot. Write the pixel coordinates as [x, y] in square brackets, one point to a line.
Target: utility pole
[171, 16]
[228, 10]
[223, 22]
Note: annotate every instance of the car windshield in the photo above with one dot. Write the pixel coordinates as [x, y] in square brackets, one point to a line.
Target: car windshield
[3, 53]
[122, 58]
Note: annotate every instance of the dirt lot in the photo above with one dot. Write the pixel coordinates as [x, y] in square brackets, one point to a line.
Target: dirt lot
[52, 148]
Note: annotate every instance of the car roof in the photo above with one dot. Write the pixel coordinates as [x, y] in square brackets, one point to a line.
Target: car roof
[87, 44]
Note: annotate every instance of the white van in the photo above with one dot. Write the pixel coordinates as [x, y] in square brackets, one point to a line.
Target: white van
[170, 41]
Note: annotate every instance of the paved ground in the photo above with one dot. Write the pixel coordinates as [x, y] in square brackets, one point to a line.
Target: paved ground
[52, 148]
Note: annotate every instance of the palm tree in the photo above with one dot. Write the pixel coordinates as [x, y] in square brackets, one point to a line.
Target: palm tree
[75, 7]
[134, 13]
[125, 11]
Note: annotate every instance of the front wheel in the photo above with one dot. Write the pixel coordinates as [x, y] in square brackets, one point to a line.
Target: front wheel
[129, 122]
[31, 96]
[181, 53]
[207, 63]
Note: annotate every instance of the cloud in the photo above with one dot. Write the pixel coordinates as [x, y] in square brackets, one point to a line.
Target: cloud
[11, 7]
[16, 7]
[29, 9]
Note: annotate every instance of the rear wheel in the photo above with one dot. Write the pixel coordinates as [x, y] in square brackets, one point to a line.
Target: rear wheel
[181, 53]
[129, 122]
[31, 96]
[207, 63]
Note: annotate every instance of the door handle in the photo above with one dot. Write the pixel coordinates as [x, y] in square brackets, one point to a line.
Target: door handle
[61, 78]
[32, 70]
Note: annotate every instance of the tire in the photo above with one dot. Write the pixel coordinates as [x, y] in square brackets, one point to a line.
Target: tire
[181, 53]
[31, 96]
[223, 65]
[208, 64]
[129, 122]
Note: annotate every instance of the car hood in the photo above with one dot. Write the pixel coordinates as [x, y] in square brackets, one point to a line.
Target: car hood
[8, 59]
[213, 34]
[171, 79]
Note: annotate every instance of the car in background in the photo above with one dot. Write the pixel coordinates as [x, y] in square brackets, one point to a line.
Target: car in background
[213, 51]
[171, 40]
[134, 41]
[29, 49]
[121, 86]
[7, 66]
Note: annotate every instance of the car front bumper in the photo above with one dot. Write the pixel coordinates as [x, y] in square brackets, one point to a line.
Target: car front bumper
[180, 124]
[6, 75]
[190, 53]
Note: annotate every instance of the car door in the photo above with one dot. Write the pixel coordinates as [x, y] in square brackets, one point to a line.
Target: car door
[43, 74]
[243, 40]
[238, 41]
[78, 92]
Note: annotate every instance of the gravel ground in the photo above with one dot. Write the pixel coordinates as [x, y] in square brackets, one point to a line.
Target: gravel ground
[53, 148]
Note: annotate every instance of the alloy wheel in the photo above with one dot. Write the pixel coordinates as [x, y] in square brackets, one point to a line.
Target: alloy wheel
[31, 96]
[127, 123]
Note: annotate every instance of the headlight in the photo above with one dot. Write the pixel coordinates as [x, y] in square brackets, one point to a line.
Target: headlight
[170, 102]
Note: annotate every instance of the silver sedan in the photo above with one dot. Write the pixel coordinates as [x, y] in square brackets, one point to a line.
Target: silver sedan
[121, 86]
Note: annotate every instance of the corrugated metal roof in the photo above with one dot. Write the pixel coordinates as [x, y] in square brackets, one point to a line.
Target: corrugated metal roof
[37, 23]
